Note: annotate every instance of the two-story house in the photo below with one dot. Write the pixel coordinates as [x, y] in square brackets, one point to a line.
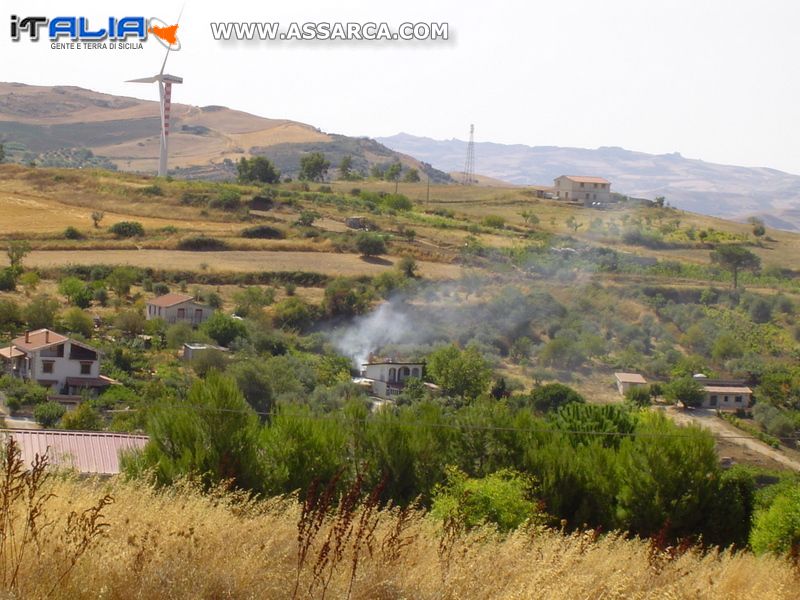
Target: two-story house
[178, 308]
[66, 366]
[587, 190]
[387, 378]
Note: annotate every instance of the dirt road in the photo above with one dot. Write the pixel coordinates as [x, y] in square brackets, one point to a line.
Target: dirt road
[728, 435]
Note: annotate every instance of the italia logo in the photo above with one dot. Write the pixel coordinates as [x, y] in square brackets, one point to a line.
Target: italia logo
[80, 29]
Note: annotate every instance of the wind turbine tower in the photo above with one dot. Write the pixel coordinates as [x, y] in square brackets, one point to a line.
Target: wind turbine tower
[165, 82]
[469, 165]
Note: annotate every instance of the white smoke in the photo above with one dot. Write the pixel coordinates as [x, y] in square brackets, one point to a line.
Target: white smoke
[386, 325]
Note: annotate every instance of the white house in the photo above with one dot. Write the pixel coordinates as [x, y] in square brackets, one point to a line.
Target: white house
[178, 308]
[587, 190]
[626, 381]
[725, 395]
[66, 366]
[388, 378]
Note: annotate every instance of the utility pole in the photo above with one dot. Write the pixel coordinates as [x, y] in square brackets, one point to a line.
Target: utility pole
[469, 164]
[428, 193]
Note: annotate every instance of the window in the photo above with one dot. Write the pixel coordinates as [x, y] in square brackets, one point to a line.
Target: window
[713, 401]
[86, 368]
[738, 399]
[725, 399]
[47, 366]
[582, 184]
[181, 313]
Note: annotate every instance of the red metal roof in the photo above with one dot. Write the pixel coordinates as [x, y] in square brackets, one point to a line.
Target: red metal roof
[168, 300]
[84, 451]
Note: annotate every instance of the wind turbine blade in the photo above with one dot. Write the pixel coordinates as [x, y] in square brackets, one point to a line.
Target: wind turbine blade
[144, 80]
[166, 56]
[164, 64]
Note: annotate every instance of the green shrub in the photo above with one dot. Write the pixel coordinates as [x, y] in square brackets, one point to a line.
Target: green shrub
[83, 418]
[495, 221]
[202, 243]
[263, 232]
[152, 190]
[370, 244]
[396, 202]
[552, 396]
[228, 200]
[47, 414]
[777, 529]
[638, 395]
[224, 329]
[127, 229]
[503, 498]
[8, 281]
[293, 312]
[71, 233]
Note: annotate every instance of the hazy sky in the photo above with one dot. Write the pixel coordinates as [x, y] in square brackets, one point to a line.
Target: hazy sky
[712, 79]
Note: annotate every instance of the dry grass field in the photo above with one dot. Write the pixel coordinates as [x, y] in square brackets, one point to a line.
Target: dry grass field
[235, 260]
[182, 544]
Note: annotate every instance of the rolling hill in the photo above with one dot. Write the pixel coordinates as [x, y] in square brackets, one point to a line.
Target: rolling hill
[718, 190]
[75, 127]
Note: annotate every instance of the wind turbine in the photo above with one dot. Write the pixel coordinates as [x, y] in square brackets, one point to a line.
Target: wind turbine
[165, 82]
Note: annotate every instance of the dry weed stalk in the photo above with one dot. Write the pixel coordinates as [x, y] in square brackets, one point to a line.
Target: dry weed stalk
[23, 521]
[396, 539]
[350, 528]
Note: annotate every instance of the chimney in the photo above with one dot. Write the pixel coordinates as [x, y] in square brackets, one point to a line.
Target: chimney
[27, 337]
[46, 336]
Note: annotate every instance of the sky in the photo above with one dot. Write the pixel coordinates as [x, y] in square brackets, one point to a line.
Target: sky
[711, 79]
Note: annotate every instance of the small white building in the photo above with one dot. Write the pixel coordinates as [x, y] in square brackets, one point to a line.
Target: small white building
[726, 395]
[66, 366]
[193, 350]
[589, 191]
[626, 381]
[178, 308]
[388, 378]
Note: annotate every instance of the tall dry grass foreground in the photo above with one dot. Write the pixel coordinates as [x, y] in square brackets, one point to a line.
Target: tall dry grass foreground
[111, 539]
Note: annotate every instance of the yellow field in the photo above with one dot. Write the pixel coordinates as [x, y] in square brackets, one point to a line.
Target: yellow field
[40, 203]
[180, 544]
[236, 260]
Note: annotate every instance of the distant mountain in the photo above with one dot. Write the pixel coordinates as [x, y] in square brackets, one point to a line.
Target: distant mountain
[75, 127]
[719, 190]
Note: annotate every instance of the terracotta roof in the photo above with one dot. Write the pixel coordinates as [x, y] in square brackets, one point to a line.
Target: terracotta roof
[41, 338]
[11, 352]
[727, 389]
[168, 300]
[630, 378]
[582, 179]
[86, 452]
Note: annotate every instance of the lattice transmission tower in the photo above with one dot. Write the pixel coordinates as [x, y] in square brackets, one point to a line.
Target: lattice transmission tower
[469, 165]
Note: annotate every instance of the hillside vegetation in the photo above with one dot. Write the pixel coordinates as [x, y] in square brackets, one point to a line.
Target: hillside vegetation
[521, 310]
